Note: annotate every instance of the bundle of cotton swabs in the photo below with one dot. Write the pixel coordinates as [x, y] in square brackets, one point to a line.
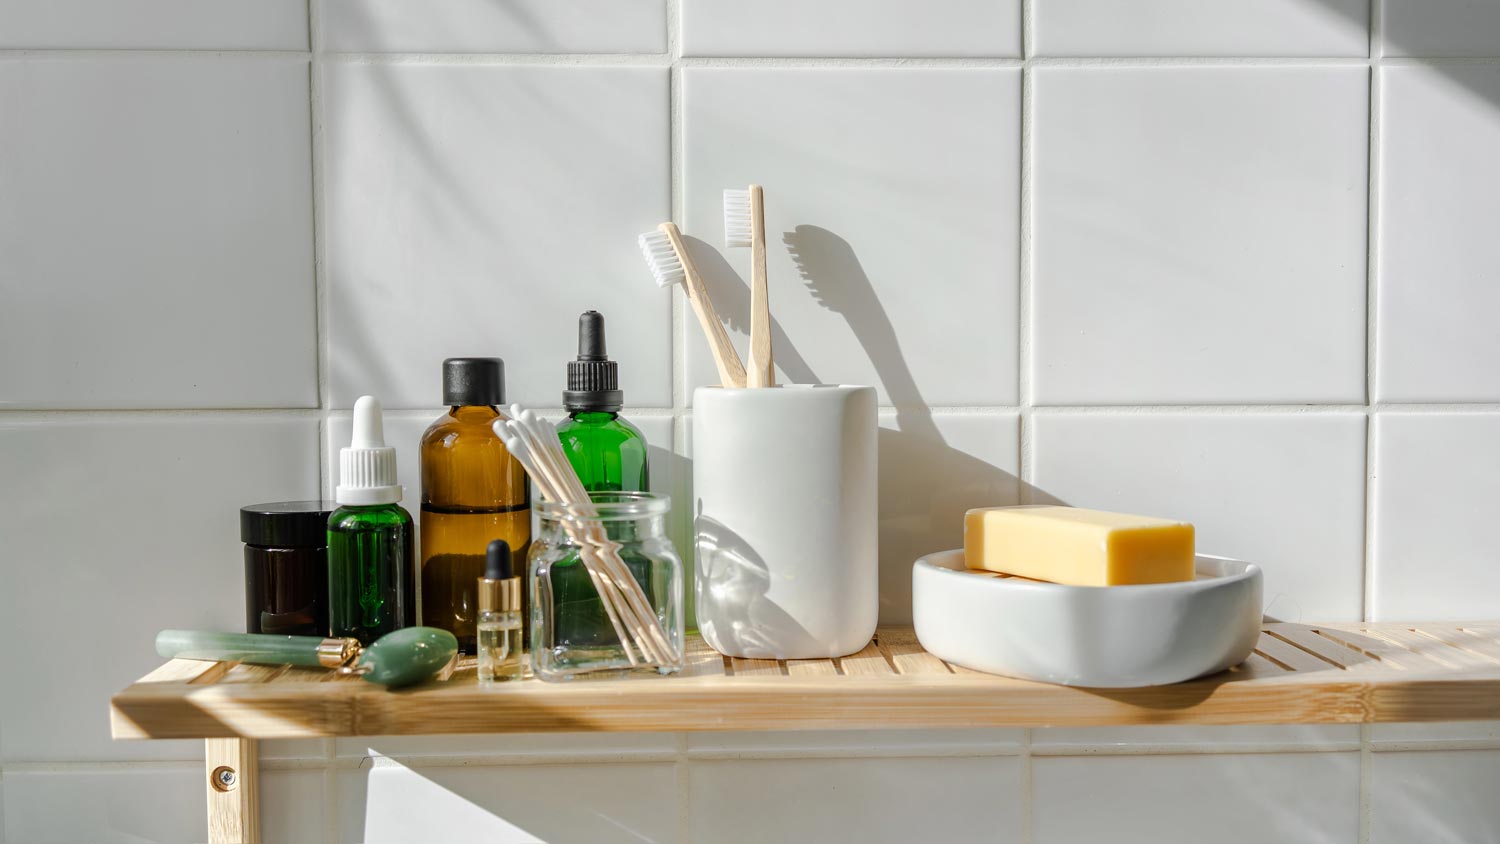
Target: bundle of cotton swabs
[534, 441]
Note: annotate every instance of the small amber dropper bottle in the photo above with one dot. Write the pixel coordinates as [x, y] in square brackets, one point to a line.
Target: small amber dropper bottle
[501, 657]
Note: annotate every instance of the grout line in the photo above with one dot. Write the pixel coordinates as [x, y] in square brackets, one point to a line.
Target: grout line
[684, 791]
[676, 145]
[1372, 307]
[872, 752]
[1364, 784]
[104, 766]
[320, 273]
[127, 54]
[1202, 749]
[563, 759]
[1025, 269]
[58, 414]
[1435, 745]
[504, 59]
[319, 204]
[790, 62]
[1028, 789]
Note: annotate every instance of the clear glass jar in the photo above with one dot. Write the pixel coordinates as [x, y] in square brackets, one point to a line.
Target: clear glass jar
[572, 634]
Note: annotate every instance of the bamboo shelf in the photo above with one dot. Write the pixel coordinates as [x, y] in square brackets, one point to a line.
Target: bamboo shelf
[1299, 674]
[1302, 674]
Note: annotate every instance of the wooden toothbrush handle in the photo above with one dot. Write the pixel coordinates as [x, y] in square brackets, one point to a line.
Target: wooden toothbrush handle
[731, 370]
[760, 372]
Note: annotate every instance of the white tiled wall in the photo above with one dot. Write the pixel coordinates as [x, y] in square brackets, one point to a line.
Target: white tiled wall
[1229, 260]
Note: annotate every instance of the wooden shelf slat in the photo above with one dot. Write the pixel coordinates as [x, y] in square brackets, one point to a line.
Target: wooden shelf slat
[1291, 656]
[906, 653]
[1310, 640]
[755, 667]
[1347, 673]
[869, 662]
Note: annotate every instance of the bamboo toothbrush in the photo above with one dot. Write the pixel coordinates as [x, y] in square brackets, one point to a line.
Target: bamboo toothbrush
[745, 225]
[668, 258]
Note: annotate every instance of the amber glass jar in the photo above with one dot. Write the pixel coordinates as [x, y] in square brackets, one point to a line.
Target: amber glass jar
[286, 567]
[473, 492]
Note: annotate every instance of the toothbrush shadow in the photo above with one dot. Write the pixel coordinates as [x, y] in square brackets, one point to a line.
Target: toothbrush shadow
[926, 484]
[731, 297]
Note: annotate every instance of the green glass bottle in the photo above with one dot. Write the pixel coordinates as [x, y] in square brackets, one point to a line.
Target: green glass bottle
[607, 451]
[372, 571]
[609, 455]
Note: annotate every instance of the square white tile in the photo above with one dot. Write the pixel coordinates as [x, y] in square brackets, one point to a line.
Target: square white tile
[292, 806]
[851, 28]
[1441, 28]
[1284, 491]
[392, 804]
[1437, 479]
[873, 742]
[1199, 235]
[1242, 799]
[1445, 797]
[132, 525]
[866, 800]
[480, 210]
[933, 468]
[892, 223]
[1202, 28]
[1435, 336]
[155, 24]
[1171, 737]
[125, 806]
[144, 200]
[495, 26]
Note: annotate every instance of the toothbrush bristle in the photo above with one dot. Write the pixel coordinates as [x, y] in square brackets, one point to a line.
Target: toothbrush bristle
[662, 259]
[737, 217]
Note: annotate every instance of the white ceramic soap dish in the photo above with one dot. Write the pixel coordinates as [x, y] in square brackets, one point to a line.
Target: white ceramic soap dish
[1103, 637]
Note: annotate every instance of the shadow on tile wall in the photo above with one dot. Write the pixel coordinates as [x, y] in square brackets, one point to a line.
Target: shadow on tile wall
[926, 483]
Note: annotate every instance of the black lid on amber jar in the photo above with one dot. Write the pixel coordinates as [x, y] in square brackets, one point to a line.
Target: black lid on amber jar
[286, 524]
[473, 382]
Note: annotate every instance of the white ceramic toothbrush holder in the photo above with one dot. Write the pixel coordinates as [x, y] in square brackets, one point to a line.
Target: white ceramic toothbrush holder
[785, 520]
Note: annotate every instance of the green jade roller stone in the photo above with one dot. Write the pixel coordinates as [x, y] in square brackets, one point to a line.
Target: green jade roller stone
[409, 655]
[399, 658]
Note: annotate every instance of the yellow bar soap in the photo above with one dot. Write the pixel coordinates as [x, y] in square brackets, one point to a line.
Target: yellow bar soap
[1078, 547]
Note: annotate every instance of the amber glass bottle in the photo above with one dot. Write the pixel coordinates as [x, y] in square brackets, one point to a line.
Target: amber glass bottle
[473, 492]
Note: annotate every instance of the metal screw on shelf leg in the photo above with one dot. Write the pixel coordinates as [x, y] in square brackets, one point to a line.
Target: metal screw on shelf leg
[223, 778]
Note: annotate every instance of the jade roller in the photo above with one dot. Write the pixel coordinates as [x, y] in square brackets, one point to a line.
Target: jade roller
[399, 658]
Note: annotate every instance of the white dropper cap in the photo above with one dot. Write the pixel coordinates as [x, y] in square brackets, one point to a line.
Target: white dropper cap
[367, 468]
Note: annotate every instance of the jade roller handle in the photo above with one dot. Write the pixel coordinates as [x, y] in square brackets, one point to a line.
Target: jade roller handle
[399, 658]
[258, 648]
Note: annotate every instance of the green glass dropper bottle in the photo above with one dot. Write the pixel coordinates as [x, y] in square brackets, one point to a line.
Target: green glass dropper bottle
[372, 573]
[607, 451]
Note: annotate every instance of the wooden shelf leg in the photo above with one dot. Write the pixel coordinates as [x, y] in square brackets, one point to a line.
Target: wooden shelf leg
[233, 782]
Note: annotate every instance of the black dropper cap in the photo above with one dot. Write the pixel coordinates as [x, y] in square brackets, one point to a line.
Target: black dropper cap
[469, 382]
[497, 561]
[593, 379]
